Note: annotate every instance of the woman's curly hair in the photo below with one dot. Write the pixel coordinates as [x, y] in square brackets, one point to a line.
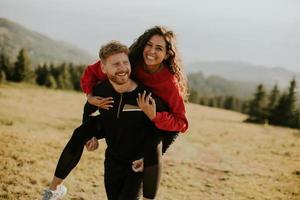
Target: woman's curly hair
[173, 61]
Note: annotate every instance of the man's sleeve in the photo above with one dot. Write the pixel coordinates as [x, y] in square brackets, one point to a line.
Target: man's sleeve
[87, 111]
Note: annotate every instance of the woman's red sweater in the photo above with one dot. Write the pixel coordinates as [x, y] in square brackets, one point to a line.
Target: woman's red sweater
[163, 84]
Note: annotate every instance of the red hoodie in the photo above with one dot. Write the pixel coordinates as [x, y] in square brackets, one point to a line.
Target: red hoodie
[162, 83]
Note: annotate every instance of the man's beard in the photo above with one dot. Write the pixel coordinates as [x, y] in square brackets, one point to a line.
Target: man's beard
[117, 79]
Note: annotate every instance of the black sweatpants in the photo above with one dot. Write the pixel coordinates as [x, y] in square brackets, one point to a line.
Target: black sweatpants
[121, 182]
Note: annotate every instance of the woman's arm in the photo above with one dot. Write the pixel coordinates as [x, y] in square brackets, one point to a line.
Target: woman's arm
[172, 120]
[92, 75]
[175, 120]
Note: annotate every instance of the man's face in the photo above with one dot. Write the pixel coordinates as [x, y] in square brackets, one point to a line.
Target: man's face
[117, 68]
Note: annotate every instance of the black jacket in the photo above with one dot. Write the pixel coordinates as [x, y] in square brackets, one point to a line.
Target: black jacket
[126, 127]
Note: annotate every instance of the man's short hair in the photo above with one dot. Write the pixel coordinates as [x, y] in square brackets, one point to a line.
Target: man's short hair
[111, 48]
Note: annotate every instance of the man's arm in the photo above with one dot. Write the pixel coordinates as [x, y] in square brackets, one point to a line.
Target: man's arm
[100, 133]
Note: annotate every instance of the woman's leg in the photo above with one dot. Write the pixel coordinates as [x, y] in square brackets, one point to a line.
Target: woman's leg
[155, 146]
[152, 165]
[74, 148]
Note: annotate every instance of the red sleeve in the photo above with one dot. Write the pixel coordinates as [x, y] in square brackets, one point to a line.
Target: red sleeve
[91, 76]
[175, 120]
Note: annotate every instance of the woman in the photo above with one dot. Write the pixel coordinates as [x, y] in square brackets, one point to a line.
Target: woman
[157, 65]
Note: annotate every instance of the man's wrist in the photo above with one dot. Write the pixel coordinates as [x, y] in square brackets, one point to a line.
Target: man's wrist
[88, 95]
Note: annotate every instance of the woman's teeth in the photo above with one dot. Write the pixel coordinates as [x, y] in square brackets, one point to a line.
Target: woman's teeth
[150, 57]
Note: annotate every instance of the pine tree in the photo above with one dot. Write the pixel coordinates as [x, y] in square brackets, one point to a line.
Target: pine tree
[202, 101]
[54, 71]
[64, 77]
[219, 101]
[273, 97]
[285, 113]
[297, 119]
[257, 107]
[229, 103]
[22, 69]
[273, 101]
[212, 102]
[291, 104]
[2, 76]
[76, 72]
[193, 97]
[279, 112]
[6, 66]
[41, 74]
[50, 81]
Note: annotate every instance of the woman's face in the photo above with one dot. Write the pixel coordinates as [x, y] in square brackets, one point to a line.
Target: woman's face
[155, 51]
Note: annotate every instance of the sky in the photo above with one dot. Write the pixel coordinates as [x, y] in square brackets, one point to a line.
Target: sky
[260, 32]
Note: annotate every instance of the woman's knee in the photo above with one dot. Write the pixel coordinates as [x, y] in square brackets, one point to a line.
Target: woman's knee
[153, 156]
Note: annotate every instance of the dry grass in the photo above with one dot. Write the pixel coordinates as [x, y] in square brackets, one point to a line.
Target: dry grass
[219, 158]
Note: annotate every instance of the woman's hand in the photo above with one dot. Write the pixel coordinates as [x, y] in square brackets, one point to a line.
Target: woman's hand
[104, 103]
[138, 165]
[147, 104]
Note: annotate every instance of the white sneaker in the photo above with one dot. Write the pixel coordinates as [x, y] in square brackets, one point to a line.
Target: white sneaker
[57, 194]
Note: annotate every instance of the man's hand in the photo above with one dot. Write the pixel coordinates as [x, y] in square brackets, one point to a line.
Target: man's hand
[104, 103]
[147, 104]
[138, 165]
[92, 144]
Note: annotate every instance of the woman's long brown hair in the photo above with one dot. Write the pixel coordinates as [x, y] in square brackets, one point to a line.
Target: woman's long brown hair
[173, 62]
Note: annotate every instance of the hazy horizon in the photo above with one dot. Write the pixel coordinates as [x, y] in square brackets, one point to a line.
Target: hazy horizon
[262, 33]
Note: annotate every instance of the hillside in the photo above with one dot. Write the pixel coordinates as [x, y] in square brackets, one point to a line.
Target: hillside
[13, 37]
[214, 85]
[219, 158]
[241, 71]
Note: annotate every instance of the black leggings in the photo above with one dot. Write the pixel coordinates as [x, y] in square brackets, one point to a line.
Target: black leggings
[74, 148]
[90, 128]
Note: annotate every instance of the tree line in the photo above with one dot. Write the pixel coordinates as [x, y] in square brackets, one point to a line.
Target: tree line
[229, 102]
[277, 108]
[61, 76]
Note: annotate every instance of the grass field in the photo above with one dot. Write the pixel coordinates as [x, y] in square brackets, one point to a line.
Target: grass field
[219, 158]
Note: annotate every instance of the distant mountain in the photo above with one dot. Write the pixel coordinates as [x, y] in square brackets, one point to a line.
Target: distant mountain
[241, 71]
[214, 85]
[13, 37]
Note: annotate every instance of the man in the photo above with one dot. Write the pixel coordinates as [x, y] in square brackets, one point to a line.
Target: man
[127, 127]
[128, 132]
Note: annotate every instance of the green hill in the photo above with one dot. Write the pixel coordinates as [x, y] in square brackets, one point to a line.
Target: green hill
[13, 37]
